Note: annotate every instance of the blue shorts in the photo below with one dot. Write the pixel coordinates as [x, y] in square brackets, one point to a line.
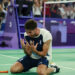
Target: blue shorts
[29, 63]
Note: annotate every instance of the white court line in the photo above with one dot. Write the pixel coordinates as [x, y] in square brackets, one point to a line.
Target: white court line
[12, 51]
[9, 56]
[17, 58]
[5, 64]
[67, 67]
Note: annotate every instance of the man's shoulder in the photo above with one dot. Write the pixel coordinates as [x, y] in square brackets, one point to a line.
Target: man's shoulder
[43, 31]
[46, 34]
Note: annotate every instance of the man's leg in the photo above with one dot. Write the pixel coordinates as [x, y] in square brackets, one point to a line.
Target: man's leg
[23, 64]
[16, 68]
[53, 68]
[50, 70]
[42, 69]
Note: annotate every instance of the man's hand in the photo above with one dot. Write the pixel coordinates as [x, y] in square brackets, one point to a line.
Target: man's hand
[33, 47]
[28, 47]
[45, 48]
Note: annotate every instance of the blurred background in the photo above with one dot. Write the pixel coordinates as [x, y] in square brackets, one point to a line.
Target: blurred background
[57, 16]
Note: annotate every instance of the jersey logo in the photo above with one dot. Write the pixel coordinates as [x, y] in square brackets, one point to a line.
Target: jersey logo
[40, 63]
[40, 42]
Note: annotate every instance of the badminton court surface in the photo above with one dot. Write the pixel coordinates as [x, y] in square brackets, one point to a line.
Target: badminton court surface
[63, 57]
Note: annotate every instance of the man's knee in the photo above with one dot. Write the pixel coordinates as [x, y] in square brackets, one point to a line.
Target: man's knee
[13, 69]
[41, 72]
[16, 68]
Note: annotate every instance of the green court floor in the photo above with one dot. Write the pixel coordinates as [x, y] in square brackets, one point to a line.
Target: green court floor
[65, 58]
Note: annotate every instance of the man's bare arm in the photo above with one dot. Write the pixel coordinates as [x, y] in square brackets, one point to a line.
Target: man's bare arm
[26, 47]
[45, 49]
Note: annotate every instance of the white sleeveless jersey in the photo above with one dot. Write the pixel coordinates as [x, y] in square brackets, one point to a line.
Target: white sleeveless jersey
[44, 36]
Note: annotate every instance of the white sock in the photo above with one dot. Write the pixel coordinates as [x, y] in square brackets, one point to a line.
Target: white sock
[54, 69]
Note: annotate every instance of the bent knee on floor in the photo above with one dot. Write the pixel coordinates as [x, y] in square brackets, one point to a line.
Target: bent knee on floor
[16, 68]
[41, 72]
[13, 70]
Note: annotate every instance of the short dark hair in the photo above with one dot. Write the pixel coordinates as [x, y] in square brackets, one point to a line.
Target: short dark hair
[30, 24]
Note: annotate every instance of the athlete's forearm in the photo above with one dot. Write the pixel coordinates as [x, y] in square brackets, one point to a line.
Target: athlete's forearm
[40, 53]
[28, 52]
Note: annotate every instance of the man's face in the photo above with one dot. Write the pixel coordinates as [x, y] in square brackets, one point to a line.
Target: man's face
[31, 33]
